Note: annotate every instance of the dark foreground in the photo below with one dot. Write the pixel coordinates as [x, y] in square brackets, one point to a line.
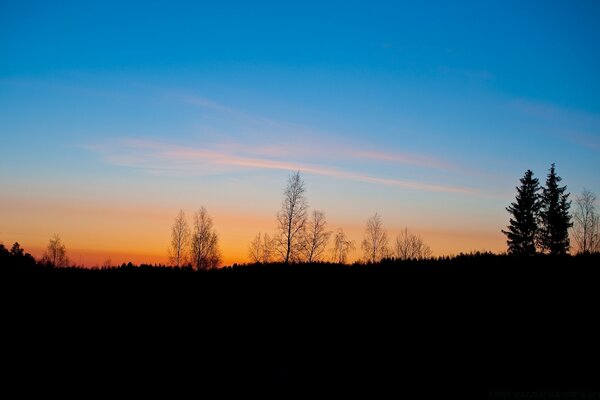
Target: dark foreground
[472, 326]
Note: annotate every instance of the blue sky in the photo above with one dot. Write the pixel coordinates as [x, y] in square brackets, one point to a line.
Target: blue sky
[428, 112]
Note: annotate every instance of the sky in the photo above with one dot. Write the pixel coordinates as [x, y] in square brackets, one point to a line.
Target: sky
[114, 115]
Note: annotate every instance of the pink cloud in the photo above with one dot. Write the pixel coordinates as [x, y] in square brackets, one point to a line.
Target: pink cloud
[163, 158]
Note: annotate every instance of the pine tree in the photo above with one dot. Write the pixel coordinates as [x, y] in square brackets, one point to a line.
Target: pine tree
[522, 229]
[555, 220]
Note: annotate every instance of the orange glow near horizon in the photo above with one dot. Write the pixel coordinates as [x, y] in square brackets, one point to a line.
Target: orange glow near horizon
[96, 226]
[235, 251]
[94, 233]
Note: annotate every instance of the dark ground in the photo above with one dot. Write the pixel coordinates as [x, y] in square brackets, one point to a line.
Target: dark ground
[469, 326]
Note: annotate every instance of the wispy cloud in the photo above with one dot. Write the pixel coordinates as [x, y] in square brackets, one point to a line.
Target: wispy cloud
[270, 138]
[283, 139]
[270, 144]
[165, 158]
[211, 105]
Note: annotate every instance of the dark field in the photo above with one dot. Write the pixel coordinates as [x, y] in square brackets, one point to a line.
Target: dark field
[470, 325]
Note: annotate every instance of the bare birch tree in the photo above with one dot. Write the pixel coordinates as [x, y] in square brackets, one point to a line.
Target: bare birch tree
[255, 249]
[261, 249]
[180, 235]
[375, 244]
[341, 247]
[267, 249]
[56, 253]
[586, 227]
[205, 242]
[107, 264]
[315, 236]
[410, 247]
[291, 219]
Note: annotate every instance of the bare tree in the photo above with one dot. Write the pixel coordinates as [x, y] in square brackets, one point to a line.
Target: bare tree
[205, 252]
[586, 227]
[180, 236]
[261, 249]
[107, 264]
[292, 218]
[255, 249]
[56, 253]
[409, 246]
[315, 236]
[267, 249]
[375, 244]
[341, 247]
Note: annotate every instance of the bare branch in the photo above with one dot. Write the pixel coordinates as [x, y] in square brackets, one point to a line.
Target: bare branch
[586, 227]
[411, 247]
[315, 237]
[291, 219]
[56, 253]
[375, 244]
[261, 249]
[180, 236]
[204, 245]
[341, 247]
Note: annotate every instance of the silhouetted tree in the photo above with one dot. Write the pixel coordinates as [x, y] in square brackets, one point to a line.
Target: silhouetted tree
[411, 247]
[180, 235]
[16, 257]
[554, 220]
[292, 218]
[107, 263]
[341, 247]
[4, 253]
[16, 250]
[56, 253]
[315, 236]
[522, 230]
[268, 248]
[375, 243]
[255, 249]
[205, 242]
[586, 227]
[261, 249]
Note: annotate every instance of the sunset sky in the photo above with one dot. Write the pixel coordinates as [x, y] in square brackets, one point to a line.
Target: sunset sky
[115, 115]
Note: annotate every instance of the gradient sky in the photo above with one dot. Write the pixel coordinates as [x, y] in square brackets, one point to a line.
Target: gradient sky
[114, 115]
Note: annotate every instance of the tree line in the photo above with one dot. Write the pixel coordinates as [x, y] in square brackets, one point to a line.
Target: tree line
[197, 246]
[301, 235]
[54, 256]
[541, 220]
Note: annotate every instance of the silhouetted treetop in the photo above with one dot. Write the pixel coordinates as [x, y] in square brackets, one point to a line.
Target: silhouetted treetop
[291, 219]
[554, 217]
[523, 226]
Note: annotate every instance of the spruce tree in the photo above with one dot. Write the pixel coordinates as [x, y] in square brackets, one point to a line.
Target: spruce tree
[554, 220]
[522, 230]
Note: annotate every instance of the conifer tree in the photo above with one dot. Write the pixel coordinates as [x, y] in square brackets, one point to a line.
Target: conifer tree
[522, 230]
[554, 219]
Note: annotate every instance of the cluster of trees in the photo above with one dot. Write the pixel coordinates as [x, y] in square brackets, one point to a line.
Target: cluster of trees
[56, 253]
[586, 223]
[54, 256]
[540, 222]
[197, 247]
[302, 236]
[540, 218]
[376, 246]
[16, 256]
